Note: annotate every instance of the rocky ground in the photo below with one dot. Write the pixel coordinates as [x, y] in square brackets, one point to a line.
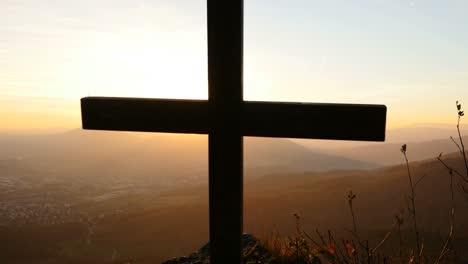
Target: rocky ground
[253, 252]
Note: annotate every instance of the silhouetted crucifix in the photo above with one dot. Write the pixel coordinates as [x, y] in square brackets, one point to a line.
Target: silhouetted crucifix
[226, 118]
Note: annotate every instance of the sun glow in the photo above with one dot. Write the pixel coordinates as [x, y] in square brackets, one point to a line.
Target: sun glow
[306, 51]
[115, 67]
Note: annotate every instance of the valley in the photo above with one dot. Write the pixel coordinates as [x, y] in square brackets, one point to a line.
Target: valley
[92, 200]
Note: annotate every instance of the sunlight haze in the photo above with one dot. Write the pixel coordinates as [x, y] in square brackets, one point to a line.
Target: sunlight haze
[409, 55]
[107, 194]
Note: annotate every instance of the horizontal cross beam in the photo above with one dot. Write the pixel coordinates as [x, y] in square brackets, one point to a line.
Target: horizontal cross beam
[145, 115]
[259, 119]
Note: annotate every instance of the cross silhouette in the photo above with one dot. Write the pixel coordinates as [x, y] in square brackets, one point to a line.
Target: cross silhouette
[226, 118]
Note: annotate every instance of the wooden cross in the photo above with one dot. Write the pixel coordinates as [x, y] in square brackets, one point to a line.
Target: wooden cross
[226, 118]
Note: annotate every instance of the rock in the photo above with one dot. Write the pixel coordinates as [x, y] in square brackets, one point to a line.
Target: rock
[252, 252]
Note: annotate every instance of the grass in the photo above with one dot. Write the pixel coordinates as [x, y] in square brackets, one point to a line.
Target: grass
[323, 247]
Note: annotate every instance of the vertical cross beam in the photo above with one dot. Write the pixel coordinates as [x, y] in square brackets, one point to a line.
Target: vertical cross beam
[225, 69]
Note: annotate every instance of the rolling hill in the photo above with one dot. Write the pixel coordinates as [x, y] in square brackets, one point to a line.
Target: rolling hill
[389, 153]
[96, 154]
[150, 227]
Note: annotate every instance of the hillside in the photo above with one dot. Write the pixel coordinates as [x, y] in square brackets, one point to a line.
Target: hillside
[389, 153]
[98, 154]
[153, 226]
[416, 133]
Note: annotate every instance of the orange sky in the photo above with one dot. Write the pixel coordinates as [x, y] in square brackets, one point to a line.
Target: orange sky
[410, 56]
[29, 113]
[21, 113]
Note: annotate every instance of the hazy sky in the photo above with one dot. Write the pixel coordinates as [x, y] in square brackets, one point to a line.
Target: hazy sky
[410, 55]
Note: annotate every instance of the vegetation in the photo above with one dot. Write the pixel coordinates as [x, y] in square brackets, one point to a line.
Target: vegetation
[58, 217]
[325, 248]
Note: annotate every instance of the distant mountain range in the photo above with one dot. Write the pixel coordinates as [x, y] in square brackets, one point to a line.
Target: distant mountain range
[122, 156]
[389, 153]
[119, 153]
[411, 134]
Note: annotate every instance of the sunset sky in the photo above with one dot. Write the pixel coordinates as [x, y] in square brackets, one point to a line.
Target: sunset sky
[410, 55]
